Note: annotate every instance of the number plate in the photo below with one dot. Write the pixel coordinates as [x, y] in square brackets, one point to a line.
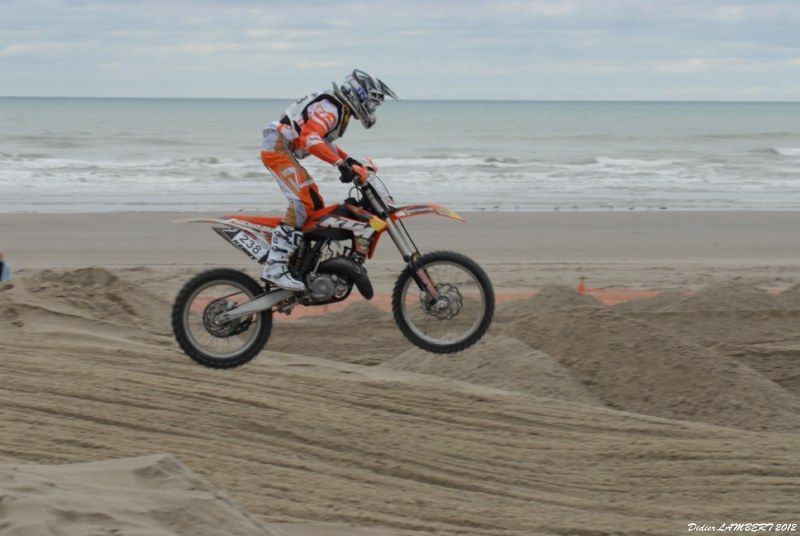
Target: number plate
[252, 245]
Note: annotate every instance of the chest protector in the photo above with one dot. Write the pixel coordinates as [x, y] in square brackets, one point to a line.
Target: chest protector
[296, 117]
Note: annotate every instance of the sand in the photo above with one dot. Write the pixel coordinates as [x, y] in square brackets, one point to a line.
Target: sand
[153, 495]
[572, 416]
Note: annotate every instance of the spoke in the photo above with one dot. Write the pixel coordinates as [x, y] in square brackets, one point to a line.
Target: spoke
[457, 314]
[219, 340]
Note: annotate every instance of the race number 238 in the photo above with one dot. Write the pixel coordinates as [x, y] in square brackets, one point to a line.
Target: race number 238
[249, 244]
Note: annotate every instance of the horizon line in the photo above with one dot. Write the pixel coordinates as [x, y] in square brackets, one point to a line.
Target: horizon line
[643, 101]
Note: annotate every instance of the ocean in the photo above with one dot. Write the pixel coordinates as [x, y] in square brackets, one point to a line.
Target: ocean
[102, 155]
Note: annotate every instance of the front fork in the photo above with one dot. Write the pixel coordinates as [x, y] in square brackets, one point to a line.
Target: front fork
[412, 256]
[407, 248]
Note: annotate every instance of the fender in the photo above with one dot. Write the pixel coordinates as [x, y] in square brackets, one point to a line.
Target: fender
[351, 270]
[261, 235]
[423, 209]
[233, 222]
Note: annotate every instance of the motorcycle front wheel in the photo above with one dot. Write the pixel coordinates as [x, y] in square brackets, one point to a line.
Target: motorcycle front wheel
[460, 315]
[208, 342]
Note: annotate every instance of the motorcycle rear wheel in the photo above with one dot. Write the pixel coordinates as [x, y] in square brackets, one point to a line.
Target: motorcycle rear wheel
[225, 345]
[462, 314]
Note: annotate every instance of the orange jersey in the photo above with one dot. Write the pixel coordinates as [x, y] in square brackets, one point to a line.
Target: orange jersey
[311, 125]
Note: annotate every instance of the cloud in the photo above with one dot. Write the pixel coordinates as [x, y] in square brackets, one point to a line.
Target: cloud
[319, 63]
[204, 48]
[42, 49]
[462, 48]
[730, 14]
[692, 65]
[542, 8]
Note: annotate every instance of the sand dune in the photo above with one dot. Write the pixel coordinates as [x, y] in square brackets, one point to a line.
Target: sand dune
[755, 328]
[642, 367]
[153, 495]
[501, 362]
[569, 418]
[724, 297]
[791, 297]
[728, 313]
[366, 335]
[88, 302]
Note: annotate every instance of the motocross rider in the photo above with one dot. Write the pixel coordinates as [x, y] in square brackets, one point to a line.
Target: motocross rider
[310, 126]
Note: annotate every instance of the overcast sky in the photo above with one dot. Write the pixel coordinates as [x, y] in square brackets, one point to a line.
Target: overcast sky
[424, 49]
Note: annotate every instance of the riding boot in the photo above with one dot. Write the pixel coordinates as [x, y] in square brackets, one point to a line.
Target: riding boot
[285, 240]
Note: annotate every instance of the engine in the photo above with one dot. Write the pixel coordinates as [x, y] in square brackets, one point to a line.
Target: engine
[326, 288]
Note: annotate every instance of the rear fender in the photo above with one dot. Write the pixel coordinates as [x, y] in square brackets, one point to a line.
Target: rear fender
[422, 210]
[244, 225]
[250, 238]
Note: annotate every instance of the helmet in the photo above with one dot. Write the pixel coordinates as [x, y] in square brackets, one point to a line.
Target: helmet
[363, 93]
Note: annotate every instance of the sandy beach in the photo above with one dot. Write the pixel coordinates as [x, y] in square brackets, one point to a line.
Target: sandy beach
[666, 394]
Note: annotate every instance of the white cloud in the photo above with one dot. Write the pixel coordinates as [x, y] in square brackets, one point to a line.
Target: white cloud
[757, 91]
[260, 33]
[341, 23]
[469, 48]
[692, 65]
[204, 48]
[730, 14]
[548, 8]
[43, 48]
[318, 63]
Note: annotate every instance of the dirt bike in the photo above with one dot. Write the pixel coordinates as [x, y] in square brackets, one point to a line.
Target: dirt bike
[443, 302]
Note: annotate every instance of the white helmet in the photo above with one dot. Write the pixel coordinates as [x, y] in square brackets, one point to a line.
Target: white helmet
[363, 93]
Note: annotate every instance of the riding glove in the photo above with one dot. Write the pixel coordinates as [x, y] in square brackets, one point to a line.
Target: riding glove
[352, 162]
[347, 172]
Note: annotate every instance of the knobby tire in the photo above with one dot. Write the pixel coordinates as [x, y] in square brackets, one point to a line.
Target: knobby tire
[488, 295]
[221, 275]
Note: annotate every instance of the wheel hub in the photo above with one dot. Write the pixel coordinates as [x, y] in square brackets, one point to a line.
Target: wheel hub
[224, 329]
[447, 306]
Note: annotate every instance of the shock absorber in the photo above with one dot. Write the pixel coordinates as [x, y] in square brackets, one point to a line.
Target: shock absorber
[297, 259]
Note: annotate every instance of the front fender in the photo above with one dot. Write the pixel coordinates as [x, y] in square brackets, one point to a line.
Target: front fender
[423, 209]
